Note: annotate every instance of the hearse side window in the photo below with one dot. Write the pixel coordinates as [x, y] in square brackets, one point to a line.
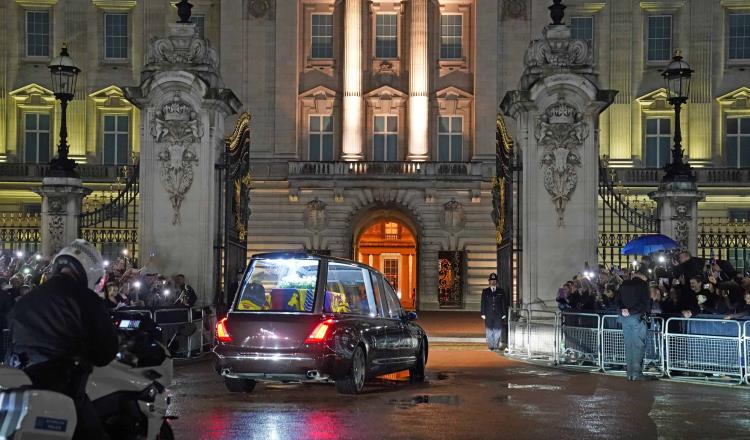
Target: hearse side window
[280, 285]
[346, 290]
[394, 307]
[377, 293]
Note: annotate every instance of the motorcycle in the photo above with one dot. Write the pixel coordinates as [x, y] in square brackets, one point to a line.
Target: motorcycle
[129, 394]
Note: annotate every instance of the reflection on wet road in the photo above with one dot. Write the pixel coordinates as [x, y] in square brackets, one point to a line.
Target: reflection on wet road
[470, 395]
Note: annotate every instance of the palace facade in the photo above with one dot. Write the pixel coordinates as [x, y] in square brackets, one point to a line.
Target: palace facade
[374, 121]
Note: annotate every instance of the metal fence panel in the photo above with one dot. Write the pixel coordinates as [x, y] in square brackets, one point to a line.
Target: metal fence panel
[517, 333]
[613, 346]
[541, 336]
[579, 339]
[747, 352]
[716, 358]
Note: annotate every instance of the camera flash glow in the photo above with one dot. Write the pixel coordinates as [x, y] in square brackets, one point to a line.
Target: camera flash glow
[19, 254]
[137, 284]
[105, 263]
[125, 252]
[38, 257]
[662, 259]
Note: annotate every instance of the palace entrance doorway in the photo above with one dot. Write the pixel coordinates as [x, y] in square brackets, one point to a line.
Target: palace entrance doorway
[390, 246]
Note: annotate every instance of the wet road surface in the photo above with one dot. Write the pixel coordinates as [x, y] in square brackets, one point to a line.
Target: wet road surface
[471, 394]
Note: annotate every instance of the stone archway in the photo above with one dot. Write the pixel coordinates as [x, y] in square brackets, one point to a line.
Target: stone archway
[386, 239]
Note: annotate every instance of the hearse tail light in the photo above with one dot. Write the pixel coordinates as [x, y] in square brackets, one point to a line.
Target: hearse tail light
[320, 332]
[222, 334]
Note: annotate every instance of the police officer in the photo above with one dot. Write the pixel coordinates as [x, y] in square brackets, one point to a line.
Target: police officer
[61, 328]
[494, 310]
[634, 308]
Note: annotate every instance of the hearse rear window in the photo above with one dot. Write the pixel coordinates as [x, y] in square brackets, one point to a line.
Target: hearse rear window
[280, 285]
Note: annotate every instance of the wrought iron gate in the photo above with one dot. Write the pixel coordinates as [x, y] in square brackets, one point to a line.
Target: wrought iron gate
[113, 226]
[619, 222]
[236, 199]
[506, 213]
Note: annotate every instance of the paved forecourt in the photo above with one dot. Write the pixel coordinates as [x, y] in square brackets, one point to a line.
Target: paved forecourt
[471, 394]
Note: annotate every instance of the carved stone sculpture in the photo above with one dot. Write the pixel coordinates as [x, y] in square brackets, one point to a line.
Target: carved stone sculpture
[176, 129]
[514, 9]
[56, 225]
[182, 49]
[453, 218]
[682, 225]
[561, 133]
[259, 8]
[315, 216]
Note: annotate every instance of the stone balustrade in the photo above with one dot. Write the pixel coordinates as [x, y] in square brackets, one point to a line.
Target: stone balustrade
[704, 176]
[388, 170]
[22, 171]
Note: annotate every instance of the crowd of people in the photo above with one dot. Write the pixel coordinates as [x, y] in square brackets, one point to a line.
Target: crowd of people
[125, 285]
[679, 284]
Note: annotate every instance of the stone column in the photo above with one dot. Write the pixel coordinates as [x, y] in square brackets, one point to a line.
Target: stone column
[557, 116]
[677, 208]
[353, 102]
[183, 105]
[418, 83]
[61, 207]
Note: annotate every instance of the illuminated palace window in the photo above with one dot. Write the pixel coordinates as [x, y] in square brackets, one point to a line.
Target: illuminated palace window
[738, 142]
[116, 142]
[582, 28]
[739, 36]
[451, 32]
[386, 36]
[37, 33]
[385, 138]
[116, 36]
[659, 38]
[36, 137]
[658, 142]
[391, 231]
[390, 270]
[321, 137]
[450, 139]
[322, 36]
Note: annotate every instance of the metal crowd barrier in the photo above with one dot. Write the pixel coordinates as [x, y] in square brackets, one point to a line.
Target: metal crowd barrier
[716, 353]
[579, 340]
[533, 335]
[517, 330]
[698, 349]
[171, 319]
[613, 346]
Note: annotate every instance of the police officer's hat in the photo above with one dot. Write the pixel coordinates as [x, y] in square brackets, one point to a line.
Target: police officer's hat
[493, 277]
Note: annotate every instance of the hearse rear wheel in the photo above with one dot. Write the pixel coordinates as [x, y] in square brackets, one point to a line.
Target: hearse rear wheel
[416, 373]
[239, 385]
[355, 380]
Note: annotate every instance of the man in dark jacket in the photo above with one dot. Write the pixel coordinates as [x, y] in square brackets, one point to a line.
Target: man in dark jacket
[634, 305]
[61, 328]
[494, 312]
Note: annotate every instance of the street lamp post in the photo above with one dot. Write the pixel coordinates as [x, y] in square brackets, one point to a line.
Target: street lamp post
[64, 74]
[677, 80]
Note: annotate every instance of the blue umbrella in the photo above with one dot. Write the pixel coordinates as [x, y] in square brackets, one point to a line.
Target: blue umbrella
[648, 244]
